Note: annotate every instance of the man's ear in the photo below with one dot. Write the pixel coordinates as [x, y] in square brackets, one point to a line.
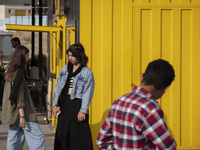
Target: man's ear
[142, 77]
[165, 90]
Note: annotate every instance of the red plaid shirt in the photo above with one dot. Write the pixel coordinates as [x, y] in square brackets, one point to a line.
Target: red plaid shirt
[135, 121]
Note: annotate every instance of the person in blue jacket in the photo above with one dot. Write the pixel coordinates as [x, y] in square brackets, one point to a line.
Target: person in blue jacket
[73, 94]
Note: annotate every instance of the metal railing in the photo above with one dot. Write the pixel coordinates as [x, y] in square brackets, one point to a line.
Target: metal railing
[21, 20]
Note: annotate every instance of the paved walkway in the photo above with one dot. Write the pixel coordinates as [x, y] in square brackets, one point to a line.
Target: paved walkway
[46, 128]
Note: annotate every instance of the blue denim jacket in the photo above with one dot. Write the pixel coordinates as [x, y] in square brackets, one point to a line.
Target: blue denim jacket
[83, 87]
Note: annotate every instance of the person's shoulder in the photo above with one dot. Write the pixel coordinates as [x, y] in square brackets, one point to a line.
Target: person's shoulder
[129, 95]
[123, 98]
[148, 104]
[87, 70]
[152, 104]
[141, 101]
[64, 68]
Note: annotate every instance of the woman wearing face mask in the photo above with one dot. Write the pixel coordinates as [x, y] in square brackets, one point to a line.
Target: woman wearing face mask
[17, 110]
[73, 94]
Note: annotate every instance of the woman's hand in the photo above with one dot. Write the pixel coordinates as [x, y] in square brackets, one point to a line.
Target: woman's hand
[22, 123]
[81, 116]
[55, 110]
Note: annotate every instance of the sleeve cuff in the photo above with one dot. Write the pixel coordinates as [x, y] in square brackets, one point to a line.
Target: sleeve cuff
[84, 110]
[22, 105]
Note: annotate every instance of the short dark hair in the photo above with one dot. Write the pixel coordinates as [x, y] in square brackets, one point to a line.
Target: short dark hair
[159, 73]
[16, 39]
[78, 51]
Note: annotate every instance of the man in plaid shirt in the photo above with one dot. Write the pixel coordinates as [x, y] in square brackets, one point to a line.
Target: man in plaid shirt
[135, 121]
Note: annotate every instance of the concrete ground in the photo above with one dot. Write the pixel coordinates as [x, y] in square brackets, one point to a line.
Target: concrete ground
[46, 128]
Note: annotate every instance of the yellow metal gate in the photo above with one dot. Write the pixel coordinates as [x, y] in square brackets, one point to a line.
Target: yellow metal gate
[172, 31]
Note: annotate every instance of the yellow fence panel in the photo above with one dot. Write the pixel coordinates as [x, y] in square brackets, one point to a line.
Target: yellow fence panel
[190, 77]
[170, 50]
[122, 48]
[105, 31]
[172, 33]
[101, 63]
[85, 36]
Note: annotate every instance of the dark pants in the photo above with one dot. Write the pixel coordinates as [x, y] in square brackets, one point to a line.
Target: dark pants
[71, 134]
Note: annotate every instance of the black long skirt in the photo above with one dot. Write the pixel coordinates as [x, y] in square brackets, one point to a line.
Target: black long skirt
[71, 134]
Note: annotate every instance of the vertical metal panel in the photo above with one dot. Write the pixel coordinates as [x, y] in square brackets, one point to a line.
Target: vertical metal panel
[155, 34]
[195, 76]
[111, 68]
[186, 78]
[166, 52]
[171, 52]
[96, 36]
[121, 48]
[171, 100]
[136, 55]
[176, 31]
[101, 61]
[190, 77]
[156, 42]
[146, 38]
[117, 48]
[86, 36]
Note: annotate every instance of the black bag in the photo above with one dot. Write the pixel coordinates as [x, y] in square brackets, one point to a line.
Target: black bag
[35, 87]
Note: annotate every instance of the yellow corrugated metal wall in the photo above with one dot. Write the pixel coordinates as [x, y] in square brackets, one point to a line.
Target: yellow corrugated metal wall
[170, 30]
[122, 36]
[106, 33]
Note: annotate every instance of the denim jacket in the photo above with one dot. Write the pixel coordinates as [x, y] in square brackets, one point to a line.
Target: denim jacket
[83, 87]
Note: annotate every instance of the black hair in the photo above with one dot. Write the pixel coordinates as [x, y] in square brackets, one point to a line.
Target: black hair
[78, 51]
[159, 73]
[16, 39]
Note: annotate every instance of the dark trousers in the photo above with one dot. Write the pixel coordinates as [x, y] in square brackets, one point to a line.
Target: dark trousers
[71, 134]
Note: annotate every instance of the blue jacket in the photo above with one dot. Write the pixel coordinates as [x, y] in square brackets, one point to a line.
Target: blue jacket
[83, 87]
